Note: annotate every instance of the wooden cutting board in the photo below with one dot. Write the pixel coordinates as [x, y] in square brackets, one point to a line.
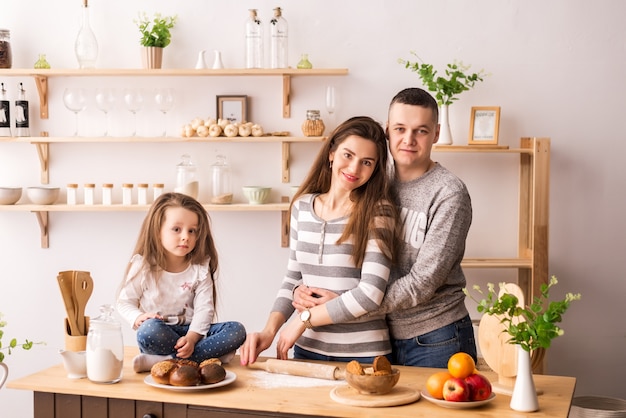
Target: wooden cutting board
[399, 395]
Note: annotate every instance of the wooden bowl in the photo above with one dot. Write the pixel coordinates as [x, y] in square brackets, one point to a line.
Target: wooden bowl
[369, 384]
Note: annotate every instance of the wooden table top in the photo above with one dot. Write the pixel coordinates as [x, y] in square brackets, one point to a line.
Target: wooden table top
[257, 390]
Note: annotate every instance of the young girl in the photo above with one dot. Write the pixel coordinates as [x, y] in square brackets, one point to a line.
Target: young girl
[169, 293]
[342, 238]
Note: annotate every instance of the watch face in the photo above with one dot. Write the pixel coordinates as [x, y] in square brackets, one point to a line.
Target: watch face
[305, 315]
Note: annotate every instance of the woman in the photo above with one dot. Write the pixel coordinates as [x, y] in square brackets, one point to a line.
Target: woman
[342, 238]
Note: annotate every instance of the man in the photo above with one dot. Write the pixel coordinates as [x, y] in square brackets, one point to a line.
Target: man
[424, 301]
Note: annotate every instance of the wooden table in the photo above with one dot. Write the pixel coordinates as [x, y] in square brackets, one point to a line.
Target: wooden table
[56, 396]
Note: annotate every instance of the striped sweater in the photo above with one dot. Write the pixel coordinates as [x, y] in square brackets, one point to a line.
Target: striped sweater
[316, 260]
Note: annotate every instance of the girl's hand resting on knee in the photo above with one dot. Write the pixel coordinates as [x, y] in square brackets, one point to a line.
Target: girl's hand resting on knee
[185, 345]
[145, 316]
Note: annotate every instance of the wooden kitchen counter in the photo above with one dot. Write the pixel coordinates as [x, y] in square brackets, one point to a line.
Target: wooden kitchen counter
[254, 392]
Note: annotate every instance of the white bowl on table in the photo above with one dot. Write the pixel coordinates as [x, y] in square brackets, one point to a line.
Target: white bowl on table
[42, 195]
[10, 195]
[256, 195]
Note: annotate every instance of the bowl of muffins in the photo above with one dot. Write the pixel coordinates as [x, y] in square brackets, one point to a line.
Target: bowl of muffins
[377, 379]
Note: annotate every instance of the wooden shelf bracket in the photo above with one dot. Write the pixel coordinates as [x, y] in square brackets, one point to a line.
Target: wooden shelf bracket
[43, 151]
[286, 96]
[42, 219]
[285, 162]
[42, 88]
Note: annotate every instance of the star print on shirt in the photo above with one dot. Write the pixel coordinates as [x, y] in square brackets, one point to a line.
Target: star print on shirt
[186, 286]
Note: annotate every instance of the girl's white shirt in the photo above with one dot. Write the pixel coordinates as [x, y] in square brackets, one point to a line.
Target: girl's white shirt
[189, 292]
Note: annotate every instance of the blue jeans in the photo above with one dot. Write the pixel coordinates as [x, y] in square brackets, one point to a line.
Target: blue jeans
[156, 337]
[302, 354]
[434, 348]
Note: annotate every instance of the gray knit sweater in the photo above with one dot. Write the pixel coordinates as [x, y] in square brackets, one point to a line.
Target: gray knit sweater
[425, 289]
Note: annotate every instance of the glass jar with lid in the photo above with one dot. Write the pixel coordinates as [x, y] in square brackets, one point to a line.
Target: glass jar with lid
[6, 58]
[105, 348]
[221, 192]
[313, 125]
[187, 177]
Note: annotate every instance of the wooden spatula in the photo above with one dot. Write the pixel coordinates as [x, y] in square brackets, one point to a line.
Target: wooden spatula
[66, 284]
[83, 287]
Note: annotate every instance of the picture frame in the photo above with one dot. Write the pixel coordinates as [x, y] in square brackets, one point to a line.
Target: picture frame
[484, 125]
[233, 108]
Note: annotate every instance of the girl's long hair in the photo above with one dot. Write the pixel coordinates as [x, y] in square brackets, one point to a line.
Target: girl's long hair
[373, 210]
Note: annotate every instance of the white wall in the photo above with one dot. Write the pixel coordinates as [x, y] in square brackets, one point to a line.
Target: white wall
[556, 70]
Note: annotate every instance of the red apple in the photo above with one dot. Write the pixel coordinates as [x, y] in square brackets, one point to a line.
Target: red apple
[456, 390]
[479, 385]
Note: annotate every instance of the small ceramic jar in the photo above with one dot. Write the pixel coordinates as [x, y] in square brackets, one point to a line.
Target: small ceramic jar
[127, 194]
[89, 189]
[72, 189]
[107, 194]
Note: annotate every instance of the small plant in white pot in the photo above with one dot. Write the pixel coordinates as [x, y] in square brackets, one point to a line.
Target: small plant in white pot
[445, 89]
[8, 347]
[529, 328]
[155, 35]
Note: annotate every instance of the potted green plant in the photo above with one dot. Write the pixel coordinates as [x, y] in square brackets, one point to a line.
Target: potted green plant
[529, 328]
[155, 35]
[13, 344]
[446, 89]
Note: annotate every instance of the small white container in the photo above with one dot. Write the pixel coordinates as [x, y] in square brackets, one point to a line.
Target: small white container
[107, 194]
[142, 194]
[72, 188]
[89, 189]
[157, 190]
[127, 194]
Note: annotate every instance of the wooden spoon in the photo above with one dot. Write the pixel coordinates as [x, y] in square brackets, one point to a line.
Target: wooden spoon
[83, 287]
[66, 284]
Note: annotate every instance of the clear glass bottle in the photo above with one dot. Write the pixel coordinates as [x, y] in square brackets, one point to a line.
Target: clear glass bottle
[222, 192]
[5, 112]
[313, 125]
[187, 177]
[254, 41]
[88, 193]
[105, 348]
[6, 57]
[21, 113]
[107, 194]
[304, 63]
[278, 40]
[86, 45]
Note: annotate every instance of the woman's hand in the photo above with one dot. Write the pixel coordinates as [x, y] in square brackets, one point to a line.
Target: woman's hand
[255, 344]
[145, 316]
[307, 297]
[288, 337]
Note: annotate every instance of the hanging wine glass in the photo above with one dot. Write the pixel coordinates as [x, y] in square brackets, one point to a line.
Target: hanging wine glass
[75, 100]
[164, 98]
[133, 98]
[105, 100]
[331, 100]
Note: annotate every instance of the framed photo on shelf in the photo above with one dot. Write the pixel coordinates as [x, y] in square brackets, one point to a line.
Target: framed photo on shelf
[484, 125]
[233, 108]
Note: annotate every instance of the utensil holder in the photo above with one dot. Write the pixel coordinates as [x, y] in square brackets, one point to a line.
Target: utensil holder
[75, 342]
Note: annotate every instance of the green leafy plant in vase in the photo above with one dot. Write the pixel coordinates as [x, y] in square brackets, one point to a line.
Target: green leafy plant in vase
[13, 344]
[529, 327]
[155, 35]
[446, 89]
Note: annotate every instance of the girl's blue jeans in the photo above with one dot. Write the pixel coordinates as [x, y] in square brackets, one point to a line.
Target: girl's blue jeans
[434, 348]
[154, 336]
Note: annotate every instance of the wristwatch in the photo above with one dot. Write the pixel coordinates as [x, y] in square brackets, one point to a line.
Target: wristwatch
[305, 317]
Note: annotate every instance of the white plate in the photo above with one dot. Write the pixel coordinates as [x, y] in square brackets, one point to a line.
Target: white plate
[457, 405]
[230, 378]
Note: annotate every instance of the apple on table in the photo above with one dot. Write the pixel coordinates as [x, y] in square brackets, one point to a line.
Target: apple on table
[456, 390]
[480, 387]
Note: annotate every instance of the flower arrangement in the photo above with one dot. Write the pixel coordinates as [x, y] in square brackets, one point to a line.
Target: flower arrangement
[533, 326]
[155, 32]
[27, 345]
[445, 89]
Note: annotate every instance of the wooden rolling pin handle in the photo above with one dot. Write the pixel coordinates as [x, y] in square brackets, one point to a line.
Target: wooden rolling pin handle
[299, 368]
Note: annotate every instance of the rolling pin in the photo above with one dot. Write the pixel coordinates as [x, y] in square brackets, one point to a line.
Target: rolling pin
[299, 368]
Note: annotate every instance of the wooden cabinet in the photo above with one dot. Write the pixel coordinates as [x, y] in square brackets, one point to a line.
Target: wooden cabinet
[43, 143]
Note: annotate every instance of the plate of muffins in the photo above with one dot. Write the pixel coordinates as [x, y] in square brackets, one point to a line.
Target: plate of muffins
[186, 375]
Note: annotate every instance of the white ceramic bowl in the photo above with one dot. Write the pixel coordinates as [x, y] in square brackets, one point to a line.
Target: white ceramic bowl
[42, 195]
[256, 195]
[10, 195]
